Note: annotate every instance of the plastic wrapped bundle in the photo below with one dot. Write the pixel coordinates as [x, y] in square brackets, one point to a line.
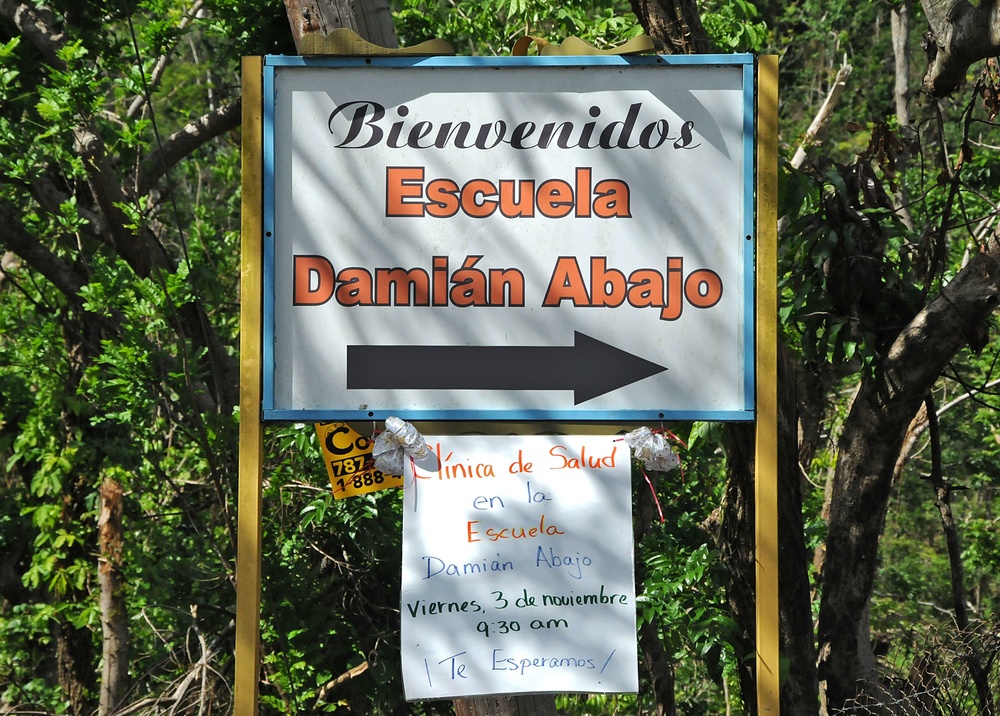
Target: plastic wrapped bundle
[652, 449]
[398, 439]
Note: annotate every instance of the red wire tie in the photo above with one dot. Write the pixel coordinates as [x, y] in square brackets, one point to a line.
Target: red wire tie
[655, 498]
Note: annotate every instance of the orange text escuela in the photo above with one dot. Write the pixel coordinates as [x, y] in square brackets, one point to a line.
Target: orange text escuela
[493, 534]
[409, 194]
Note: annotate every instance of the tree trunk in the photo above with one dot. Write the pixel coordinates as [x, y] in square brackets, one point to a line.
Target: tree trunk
[660, 668]
[873, 436]
[942, 500]
[799, 690]
[114, 619]
[674, 25]
[900, 20]
[533, 705]
[73, 667]
[657, 662]
[74, 646]
[736, 544]
[675, 28]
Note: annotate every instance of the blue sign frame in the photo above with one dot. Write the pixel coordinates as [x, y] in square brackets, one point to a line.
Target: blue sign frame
[276, 407]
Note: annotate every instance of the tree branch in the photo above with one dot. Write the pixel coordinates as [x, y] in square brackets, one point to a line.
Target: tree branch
[942, 493]
[143, 253]
[139, 249]
[961, 34]
[67, 281]
[146, 256]
[35, 23]
[920, 424]
[942, 500]
[51, 198]
[161, 63]
[184, 141]
[53, 268]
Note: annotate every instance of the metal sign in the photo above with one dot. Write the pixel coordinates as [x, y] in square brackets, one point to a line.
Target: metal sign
[509, 238]
[348, 458]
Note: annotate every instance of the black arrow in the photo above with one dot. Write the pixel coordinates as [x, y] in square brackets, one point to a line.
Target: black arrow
[589, 368]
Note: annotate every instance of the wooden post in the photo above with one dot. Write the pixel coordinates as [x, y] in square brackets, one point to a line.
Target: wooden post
[251, 429]
[371, 19]
[766, 454]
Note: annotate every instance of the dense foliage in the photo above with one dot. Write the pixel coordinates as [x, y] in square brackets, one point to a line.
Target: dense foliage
[492, 27]
[880, 217]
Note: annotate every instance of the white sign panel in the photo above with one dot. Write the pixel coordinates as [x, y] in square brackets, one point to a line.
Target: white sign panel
[518, 568]
[468, 239]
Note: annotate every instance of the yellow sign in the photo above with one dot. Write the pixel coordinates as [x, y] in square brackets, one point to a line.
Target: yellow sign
[348, 458]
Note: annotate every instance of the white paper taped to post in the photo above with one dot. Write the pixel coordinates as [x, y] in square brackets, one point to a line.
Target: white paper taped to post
[518, 568]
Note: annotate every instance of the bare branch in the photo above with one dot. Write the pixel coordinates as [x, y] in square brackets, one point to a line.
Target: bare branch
[822, 117]
[331, 686]
[900, 22]
[920, 424]
[818, 124]
[184, 141]
[180, 687]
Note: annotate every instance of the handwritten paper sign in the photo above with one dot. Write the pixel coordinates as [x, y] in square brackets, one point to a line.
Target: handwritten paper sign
[518, 568]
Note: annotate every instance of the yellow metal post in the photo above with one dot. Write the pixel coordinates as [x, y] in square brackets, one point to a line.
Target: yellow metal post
[766, 461]
[251, 429]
